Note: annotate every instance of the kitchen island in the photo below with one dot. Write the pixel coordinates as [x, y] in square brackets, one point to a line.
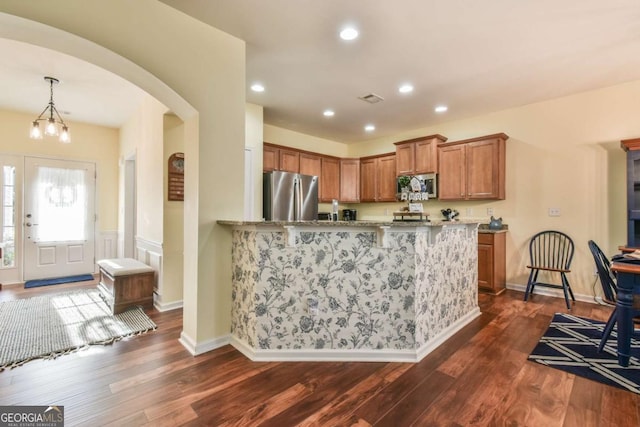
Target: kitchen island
[350, 290]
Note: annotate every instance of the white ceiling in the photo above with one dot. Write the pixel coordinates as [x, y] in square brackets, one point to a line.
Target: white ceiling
[86, 93]
[474, 56]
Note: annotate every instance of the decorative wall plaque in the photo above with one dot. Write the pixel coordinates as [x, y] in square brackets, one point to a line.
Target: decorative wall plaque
[176, 177]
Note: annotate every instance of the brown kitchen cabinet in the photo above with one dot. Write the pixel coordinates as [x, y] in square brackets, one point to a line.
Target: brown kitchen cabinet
[418, 155]
[349, 180]
[277, 158]
[472, 169]
[492, 270]
[310, 164]
[378, 178]
[270, 158]
[329, 179]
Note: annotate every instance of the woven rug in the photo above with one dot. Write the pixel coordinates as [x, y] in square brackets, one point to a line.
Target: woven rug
[571, 344]
[51, 325]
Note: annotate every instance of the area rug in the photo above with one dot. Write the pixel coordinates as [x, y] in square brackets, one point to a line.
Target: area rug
[571, 344]
[51, 325]
[57, 280]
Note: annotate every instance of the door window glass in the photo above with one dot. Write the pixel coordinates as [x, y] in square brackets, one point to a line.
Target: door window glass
[60, 204]
[8, 217]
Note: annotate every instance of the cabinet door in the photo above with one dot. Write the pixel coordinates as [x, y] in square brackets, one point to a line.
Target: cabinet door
[310, 164]
[386, 179]
[270, 158]
[451, 179]
[485, 267]
[426, 156]
[289, 160]
[483, 173]
[349, 180]
[329, 179]
[368, 180]
[405, 155]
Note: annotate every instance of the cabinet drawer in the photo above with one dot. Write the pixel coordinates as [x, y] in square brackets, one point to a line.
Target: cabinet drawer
[485, 238]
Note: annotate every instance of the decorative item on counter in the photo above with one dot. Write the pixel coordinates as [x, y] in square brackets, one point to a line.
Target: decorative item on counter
[495, 224]
[404, 181]
[413, 188]
[449, 214]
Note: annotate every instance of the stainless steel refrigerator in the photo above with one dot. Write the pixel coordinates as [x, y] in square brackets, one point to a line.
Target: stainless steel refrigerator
[289, 196]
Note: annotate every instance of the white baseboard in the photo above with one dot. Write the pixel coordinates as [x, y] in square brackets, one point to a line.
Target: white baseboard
[446, 334]
[167, 306]
[203, 347]
[550, 292]
[352, 355]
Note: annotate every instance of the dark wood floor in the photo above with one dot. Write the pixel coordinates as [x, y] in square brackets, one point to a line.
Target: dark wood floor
[481, 377]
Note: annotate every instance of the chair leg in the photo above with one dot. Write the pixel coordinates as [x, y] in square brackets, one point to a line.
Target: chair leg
[566, 289]
[607, 330]
[529, 284]
[564, 277]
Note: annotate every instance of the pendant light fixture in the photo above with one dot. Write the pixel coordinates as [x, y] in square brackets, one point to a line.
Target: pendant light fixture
[52, 123]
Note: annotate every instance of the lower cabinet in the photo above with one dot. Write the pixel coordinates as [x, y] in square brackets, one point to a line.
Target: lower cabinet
[492, 267]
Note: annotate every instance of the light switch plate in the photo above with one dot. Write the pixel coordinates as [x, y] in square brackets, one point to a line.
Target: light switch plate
[554, 211]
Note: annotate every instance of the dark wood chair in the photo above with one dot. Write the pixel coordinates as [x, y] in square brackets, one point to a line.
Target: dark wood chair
[610, 291]
[550, 251]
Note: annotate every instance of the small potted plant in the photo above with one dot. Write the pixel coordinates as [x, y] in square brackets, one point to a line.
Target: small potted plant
[404, 181]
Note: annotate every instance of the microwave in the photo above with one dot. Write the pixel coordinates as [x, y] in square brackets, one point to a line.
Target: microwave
[417, 188]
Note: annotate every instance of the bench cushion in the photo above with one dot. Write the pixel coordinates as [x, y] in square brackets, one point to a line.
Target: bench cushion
[123, 266]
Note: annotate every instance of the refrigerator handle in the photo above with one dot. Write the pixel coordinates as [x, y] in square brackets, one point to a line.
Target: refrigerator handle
[297, 199]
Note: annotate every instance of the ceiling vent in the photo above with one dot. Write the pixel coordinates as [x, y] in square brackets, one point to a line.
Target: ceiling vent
[371, 98]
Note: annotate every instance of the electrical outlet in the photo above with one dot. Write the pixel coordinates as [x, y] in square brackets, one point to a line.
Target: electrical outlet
[489, 211]
[386, 212]
[554, 211]
[469, 212]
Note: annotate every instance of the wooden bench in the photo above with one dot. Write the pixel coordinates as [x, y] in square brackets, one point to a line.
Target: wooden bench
[125, 282]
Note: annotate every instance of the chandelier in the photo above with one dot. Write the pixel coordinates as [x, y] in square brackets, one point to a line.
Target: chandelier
[52, 123]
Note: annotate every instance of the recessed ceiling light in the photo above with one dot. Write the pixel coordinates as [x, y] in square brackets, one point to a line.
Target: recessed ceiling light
[369, 128]
[257, 87]
[328, 113]
[349, 33]
[441, 109]
[405, 88]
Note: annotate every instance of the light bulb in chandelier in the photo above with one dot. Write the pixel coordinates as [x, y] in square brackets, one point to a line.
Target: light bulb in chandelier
[53, 121]
[51, 129]
[64, 135]
[35, 133]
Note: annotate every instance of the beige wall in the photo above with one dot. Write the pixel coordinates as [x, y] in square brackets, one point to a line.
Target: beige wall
[561, 153]
[253, 142]
[289, 138]
[173, 231]
[142, 136]
[90, 143]
[211, 102]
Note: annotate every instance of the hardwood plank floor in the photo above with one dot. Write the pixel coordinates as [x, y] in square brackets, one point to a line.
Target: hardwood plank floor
[480, 377]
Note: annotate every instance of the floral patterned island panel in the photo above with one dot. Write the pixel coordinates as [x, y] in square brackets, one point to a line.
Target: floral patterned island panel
[380, 293]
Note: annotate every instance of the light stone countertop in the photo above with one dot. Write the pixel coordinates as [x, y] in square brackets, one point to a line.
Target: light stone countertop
[431, 223]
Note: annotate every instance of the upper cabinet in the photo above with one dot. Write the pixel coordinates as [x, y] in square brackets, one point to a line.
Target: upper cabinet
[276, 158]
[349, 180]
[378, 178]
[330, 179]
[472, 169]
[310, 164]
[418, 155]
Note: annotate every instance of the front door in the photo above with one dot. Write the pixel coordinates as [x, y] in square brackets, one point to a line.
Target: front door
[58, 218]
